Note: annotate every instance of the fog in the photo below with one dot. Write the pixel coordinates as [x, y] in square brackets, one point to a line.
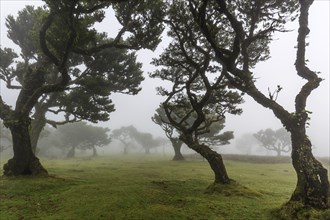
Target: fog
[279, 70]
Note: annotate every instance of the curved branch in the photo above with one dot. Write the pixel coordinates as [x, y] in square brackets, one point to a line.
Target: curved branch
[42, 39]
[301, 67]
[101, 47]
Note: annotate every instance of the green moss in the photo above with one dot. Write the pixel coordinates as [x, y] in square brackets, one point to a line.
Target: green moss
[296, 210]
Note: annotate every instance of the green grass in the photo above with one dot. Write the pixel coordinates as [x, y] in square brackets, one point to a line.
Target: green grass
[145, 188]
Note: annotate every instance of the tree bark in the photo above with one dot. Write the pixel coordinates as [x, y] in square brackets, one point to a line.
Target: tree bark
[312, 187]
[24, 161]
[37, 126]
[177, 144]
[213, 158]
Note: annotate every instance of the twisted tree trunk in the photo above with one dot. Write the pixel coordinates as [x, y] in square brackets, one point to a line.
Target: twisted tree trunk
[213, 158]
[24, 161]
[312, 187]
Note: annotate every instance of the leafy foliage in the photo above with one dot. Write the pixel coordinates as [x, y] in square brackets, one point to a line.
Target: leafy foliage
[160, 119]
[57, 42]
[235, 35]
[198, 97]
[57, 39]
[87, 96]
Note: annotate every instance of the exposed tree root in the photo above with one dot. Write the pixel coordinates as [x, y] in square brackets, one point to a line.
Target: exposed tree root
[296, 210]
[15, 168]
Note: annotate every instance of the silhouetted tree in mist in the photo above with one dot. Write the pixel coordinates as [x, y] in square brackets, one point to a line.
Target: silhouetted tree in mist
[147, 141]
[198, 98]
[125, 135]
[278, 140]
[129, 136]
[159, 118]
[80, 135]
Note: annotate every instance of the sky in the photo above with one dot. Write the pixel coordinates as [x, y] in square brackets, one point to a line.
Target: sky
[279, 70]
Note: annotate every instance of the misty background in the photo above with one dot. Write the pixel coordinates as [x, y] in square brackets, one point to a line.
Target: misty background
[278, 70]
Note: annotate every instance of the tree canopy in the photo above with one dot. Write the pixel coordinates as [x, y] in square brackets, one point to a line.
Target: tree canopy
[63, 36]
[94, 77]
[125, 135]
[129, 136]
[198, 98]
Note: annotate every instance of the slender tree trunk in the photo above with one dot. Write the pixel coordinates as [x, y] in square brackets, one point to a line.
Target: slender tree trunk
[24, 161]
[71, 153]
[177, 144]
[94, 152]
[212, 157]
[312, 187]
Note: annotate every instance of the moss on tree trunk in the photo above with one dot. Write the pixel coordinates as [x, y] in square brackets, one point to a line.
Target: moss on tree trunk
[24, 161]
[312, 187]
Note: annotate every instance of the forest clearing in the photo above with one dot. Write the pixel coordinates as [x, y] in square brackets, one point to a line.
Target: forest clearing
[206, 80]
[147, 187]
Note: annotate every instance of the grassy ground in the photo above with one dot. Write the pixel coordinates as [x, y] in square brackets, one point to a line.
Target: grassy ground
[145, 188]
